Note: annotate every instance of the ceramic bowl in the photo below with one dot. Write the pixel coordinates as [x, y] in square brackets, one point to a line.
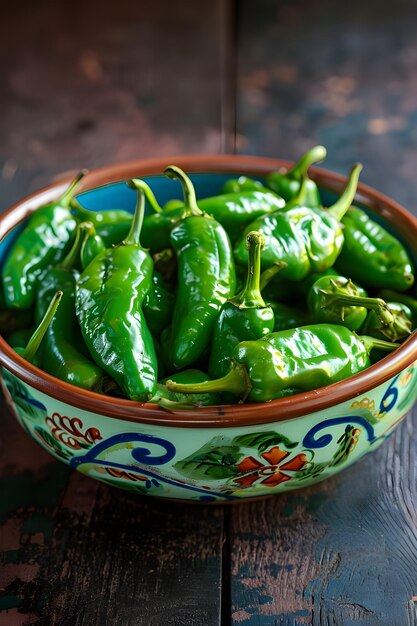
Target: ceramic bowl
[210, 454]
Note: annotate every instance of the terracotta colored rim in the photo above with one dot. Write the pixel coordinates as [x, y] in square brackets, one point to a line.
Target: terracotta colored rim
[404, 223]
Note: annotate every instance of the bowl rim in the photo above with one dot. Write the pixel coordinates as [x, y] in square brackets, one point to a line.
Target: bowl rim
[248, 414]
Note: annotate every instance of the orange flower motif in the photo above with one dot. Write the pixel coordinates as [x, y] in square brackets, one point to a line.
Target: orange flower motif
[271, 473]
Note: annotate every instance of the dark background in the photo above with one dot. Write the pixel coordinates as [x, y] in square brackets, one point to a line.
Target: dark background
[86, 84]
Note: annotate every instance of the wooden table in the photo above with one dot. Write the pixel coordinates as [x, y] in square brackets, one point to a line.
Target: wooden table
[87, 85]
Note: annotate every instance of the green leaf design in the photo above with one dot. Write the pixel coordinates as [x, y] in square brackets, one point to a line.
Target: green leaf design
[27, 406]
[214, 461]
[264, 440]
[310, 471]
[51, 442]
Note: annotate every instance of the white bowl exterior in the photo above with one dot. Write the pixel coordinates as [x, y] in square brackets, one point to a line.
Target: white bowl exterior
[213, 464]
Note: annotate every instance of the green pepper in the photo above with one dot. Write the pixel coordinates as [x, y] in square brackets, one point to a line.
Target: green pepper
[241, 184]
[409, 301]
[12, 320]
[286, 291]
[338, 300]
[206, 278]
[20, 337]
[169, 399]
[109, 298]
[112, 226]
[371, 255]
[291, 361]
[234, 211]
[287, 183]
[42, 243]
[243, 317]
[400, 327]
[326, 304]
[158, 305]
[30, 351]
[287, 316]
[91, 247]
[308, 240]
[63, 352]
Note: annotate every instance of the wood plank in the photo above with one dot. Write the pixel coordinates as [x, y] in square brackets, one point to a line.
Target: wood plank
[341, 75]
[90, 84]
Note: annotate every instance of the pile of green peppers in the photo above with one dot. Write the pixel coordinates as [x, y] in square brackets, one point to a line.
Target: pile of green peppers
[254, 294]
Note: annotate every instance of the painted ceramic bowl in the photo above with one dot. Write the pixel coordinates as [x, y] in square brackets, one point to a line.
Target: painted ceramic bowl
[211, 454]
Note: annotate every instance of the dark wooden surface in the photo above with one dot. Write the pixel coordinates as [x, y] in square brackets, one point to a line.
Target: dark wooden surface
[98, 83]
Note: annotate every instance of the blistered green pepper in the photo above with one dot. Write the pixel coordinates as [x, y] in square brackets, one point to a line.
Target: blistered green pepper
[30, 351]
[243, 317]
[206, 278]
[400, 327]
[158, 305]
[308, 240]
[91, 247]
[243, 183]
[372, 256]
[43, 242]
[112, 226]
[109, 298]
[409, 301]
[63, 352]
[291, 361]
[287, 316]
[287, 183]
[173, 400]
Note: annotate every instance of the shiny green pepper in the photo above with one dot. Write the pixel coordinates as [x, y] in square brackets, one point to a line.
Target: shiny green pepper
[233, 210]
[172, 400]
[287, 183]
[206, 278]
[400, 327]
[63, 352]
[243, 317]
[291, 361]
[243, 183]
[91, 247]
[308, 240]
[371, 255]
[158, 305]
[287, 316]
[409, 301]
[109, 298]
[112, 226]
[43, 242]
[30, 351]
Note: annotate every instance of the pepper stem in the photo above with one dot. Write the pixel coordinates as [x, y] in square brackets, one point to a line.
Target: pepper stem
[341, 206]
[250, 297]
[373, 342]
[36, 339]
[374, 304]
[236, 381]
[137, 183]
[268, 274]
[190, 200]
[133, 236]
[315, 155]
[67, 196]
[83, 231]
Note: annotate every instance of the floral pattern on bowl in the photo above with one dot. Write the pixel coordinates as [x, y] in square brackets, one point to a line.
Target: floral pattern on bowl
[205, 465]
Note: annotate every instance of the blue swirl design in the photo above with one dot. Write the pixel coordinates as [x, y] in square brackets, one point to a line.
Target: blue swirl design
[390, 397]
[311, 442]
[144, 457]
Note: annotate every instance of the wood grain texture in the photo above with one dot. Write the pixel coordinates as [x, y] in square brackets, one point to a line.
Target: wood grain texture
[344, 75]
[341, 553]
[92, 83]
